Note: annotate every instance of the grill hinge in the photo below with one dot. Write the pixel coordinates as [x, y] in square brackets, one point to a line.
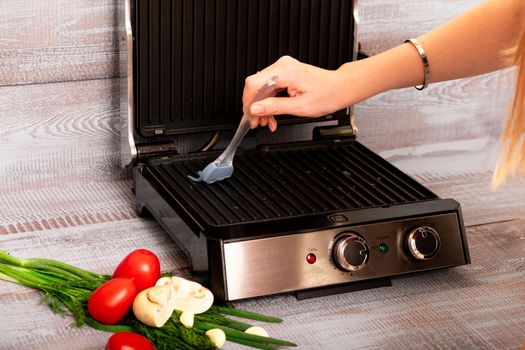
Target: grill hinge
[344, 130]
[334, 132]
[150, 150]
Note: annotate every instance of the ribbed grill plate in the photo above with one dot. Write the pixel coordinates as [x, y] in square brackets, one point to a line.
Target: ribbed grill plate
[192, 56]
[285, 182]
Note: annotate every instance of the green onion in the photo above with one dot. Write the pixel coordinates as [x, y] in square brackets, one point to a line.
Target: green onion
[228, 310]
[251, 343]
[50, 265]
[214, 317]
[242, 335]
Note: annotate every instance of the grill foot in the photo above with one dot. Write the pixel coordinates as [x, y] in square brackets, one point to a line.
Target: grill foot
[344, 288]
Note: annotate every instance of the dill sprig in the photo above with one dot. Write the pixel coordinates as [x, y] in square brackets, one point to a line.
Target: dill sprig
[173, 335]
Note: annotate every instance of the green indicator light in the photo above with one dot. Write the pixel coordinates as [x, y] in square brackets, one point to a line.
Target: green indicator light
[383, 248]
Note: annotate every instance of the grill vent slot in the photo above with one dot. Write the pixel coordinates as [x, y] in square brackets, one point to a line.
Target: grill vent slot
[192, 56]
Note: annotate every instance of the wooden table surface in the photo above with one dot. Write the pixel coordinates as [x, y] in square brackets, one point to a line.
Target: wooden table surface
[64, 196]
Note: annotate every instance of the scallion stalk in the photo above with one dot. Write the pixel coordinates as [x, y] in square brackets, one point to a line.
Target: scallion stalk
[242, 335]
[247, 314]
[215, 317]
[50, 265]
[250, 343]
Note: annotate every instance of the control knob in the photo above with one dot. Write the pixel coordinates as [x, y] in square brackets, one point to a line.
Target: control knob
[350, 252]
[423, 242]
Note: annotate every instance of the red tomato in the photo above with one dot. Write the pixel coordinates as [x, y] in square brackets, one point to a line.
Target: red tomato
[128, 341]
[110, 302]
[141, 265]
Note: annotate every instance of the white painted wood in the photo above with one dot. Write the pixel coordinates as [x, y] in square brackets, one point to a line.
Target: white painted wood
[444, 112]
[385, 24]
[59, 126]
[58, 40]
[59, 154]
[462, 170]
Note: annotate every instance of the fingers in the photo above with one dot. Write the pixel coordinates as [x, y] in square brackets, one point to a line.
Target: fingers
[254, 122]
[263, 121]
[255, 84]
[278, 106]
[262, 114]
[279, 70]
[272, 123]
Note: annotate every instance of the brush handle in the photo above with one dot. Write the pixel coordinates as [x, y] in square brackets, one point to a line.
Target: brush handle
[226, 158]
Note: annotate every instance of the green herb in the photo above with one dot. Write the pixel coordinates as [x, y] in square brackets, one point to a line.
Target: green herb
[229, 310]
[233, 333]
[213, 316]
[53, 266]
[61, 294]
[172, 335]
[67, 290]
[251, 343]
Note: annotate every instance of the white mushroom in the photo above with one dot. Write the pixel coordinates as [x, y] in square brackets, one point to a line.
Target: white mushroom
[163, 281]
[217, 337]
[256, 330]
[154, 306]
[187, 318]
[189, 296]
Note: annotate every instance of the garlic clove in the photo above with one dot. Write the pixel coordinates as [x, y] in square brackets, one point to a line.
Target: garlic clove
[216, 336]
[256, 330]
[187, 319]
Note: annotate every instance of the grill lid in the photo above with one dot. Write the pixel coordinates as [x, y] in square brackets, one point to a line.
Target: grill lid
[191, 57]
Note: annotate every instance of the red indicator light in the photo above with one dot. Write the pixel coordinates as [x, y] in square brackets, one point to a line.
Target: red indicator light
[311, 258]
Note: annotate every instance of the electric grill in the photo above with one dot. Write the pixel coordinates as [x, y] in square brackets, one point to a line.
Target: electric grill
[317, 216]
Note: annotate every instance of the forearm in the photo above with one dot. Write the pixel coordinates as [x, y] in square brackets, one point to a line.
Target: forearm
[468, 45]
[474, 43]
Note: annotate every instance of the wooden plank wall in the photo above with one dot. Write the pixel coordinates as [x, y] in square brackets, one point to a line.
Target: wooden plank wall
[58, 40]
[64, 195]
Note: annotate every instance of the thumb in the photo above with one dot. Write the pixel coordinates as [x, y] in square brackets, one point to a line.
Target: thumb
[277, 106]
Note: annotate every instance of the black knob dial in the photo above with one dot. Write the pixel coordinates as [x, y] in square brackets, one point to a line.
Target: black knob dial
[423, 242]
[350, 252]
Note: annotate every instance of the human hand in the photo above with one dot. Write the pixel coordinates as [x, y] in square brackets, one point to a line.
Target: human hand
[312, 92]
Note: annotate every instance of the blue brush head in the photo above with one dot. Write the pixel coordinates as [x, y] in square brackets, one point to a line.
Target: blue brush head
[212, 173]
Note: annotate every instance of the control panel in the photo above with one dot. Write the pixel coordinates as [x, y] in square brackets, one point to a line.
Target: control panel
[346, 254]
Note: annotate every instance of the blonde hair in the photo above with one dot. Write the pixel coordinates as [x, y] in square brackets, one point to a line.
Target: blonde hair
[511, 158]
